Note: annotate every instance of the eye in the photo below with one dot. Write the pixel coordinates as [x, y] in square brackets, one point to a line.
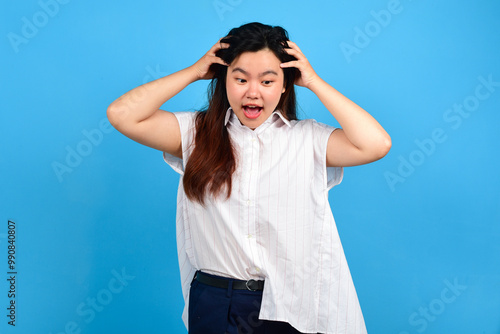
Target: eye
[267, 82]
[239, 80]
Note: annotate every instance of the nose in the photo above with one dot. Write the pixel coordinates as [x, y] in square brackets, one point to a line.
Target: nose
[252, 90]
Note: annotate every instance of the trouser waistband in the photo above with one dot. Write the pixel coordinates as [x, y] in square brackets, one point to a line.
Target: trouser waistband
[224, 282]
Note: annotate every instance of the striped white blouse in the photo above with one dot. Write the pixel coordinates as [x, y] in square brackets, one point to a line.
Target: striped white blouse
[277, 225]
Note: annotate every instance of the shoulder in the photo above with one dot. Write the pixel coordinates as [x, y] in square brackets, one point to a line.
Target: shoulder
[186, 116]
[311, 125]
[186, 120]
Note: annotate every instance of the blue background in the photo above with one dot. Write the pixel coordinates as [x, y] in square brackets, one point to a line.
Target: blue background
[424, 218]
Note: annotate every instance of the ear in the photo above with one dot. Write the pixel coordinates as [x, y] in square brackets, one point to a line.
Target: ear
[283, 90]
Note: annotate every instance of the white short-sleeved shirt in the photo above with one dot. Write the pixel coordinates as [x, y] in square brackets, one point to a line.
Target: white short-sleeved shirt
[277, 225]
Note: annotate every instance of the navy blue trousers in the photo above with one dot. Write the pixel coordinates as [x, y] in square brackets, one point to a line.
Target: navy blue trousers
[215, 310]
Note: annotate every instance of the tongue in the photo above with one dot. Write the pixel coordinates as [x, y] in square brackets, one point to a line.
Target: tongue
[252, 112]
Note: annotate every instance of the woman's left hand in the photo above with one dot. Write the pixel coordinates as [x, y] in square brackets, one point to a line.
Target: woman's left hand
[307, 74]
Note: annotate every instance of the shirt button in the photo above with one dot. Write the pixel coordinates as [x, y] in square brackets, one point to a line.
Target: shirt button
[250, 236]
[257, 269]
[249, 202]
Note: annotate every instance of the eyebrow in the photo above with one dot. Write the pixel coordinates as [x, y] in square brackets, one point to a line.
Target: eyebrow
[239, 69]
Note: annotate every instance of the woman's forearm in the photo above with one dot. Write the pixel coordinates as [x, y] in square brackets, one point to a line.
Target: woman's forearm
[362, 130]
[142, 102]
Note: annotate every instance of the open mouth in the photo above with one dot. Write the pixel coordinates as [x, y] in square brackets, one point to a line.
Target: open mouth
[252, 111]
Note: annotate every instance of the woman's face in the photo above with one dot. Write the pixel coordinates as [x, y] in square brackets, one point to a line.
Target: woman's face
[254, 84]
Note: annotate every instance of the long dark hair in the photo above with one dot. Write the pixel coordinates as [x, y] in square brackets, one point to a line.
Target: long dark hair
[213, 160]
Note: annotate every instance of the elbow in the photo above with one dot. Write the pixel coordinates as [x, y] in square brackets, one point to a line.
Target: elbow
[111, 115]
[115, 115]
[378, 148]
[387, 144]
[384, 146]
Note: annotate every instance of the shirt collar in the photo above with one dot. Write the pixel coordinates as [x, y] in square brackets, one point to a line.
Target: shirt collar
[232, 118]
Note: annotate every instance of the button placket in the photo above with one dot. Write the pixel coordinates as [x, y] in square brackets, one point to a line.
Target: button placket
[253, 166]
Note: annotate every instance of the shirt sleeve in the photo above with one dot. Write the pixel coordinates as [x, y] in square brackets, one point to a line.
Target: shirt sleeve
[187, 127]
[322, 132]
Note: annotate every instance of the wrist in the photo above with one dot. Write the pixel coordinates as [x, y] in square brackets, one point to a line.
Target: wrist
[315, 83]
[193, 73]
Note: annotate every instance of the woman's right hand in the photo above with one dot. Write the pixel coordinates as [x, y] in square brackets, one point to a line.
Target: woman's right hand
[202, 66]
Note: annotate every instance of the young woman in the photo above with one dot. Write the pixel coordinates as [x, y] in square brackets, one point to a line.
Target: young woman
[258, 248]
